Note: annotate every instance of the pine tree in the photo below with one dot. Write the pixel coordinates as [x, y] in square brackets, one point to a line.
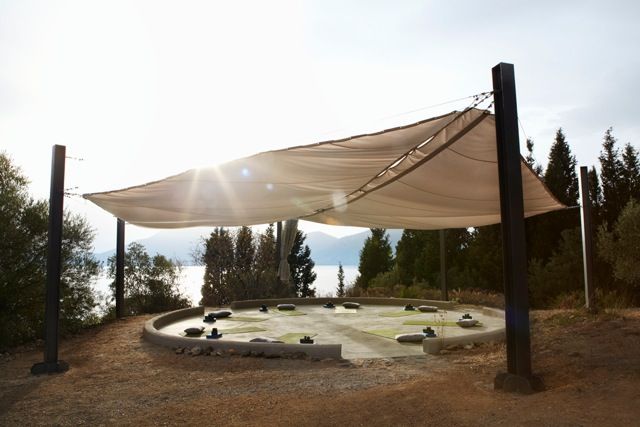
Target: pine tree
[544, 232]
[244, 257]
[595, 195]
[631, 173]
[340, 290]
[301, 267]
[266, 253]
[530, 159]
[560, 176]
[611, 174]
[375, 257]
[219, 263]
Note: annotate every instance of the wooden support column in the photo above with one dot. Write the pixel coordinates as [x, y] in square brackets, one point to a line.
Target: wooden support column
[587, 240]
[518, 376]
[443, 267]
[51, 363]
[120, 309]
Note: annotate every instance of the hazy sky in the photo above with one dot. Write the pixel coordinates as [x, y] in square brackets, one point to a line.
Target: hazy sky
[145, 89]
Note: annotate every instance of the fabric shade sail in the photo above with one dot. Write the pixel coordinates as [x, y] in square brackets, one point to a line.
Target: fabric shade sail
[437, 173]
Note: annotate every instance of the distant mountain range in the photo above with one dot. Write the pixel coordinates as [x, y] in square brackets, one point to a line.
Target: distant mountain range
[325, 249]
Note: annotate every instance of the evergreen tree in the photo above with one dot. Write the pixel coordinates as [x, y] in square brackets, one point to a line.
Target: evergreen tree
[219, 264]
[266, 253]
[631, 173]
[301, 267]
[560, 176]
[375, 257]
[340, 292]
[595, 195]
[544, 232]
[244, 258]
[611, 174]
[530, 159]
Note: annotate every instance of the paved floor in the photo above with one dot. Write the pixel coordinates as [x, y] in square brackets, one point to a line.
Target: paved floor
[340, 326]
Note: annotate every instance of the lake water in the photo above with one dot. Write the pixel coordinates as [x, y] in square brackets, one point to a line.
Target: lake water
[191, 280]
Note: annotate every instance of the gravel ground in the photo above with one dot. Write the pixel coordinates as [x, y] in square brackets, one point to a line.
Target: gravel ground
[590, 366]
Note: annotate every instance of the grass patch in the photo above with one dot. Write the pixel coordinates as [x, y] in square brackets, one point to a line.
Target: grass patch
[241, 330]
[399, 313]
[385, 333]
[288, 312]
[429, 323]
[294, 337]
[245, 319]
[342, 310]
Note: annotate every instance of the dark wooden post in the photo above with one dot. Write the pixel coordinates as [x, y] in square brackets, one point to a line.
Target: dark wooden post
[518, 377]
[51, 363]
[443, 267]
[120, 309]
[587, 240]
[278, 246]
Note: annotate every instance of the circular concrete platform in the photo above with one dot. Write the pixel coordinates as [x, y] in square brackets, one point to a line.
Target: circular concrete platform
[367, 332]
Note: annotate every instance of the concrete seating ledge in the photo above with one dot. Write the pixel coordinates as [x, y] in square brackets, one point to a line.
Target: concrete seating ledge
[152, 334]
[363, 301]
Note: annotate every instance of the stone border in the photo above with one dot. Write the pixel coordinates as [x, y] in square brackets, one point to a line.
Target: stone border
[152, 334]
[434, 345]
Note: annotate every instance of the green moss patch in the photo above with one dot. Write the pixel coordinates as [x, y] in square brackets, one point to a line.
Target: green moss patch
[385, 333]
[428, 323]
[241, 330]
[398, 313]
[294, 337]
[246, 319]
[288, 312]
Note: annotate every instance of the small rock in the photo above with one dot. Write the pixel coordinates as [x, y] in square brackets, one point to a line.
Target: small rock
[444, 351]
[468, 346]
[453, 347]
[179, 350]
[196, 351]
[219, 353]
[315, 359]
[246, 353]
[232, 352]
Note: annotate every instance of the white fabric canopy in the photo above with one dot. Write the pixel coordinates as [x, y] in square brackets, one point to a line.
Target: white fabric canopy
[434, 174]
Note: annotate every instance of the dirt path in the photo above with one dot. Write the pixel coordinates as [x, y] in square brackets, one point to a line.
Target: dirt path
[590, 365]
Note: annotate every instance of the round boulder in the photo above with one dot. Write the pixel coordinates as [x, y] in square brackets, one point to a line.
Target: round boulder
[351, 305]
[427, 308]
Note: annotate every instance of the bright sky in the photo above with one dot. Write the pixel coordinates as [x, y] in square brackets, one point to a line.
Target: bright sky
[146, 89]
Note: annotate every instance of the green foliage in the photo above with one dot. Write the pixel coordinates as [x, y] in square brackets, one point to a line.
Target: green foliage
[151, 285]
[218, 258]
[375, 257]
[23, 249]
[611, 174]
[242, 268]
[301, 267]
[531, 160]
[340, 290]
[631, 172]
[563, 272]
[560, 176]
[620, 248]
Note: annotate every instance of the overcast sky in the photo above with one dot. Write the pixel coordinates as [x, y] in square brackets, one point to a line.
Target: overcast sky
[146, 89]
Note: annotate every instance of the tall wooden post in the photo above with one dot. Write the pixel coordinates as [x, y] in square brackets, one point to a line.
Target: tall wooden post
[443, 267]
[51, 363]
[587, 239]
[278, 246]
[120, 310]
[518, 377]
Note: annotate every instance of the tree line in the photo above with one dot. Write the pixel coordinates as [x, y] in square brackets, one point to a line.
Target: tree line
[240, 265]
[554, 245]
